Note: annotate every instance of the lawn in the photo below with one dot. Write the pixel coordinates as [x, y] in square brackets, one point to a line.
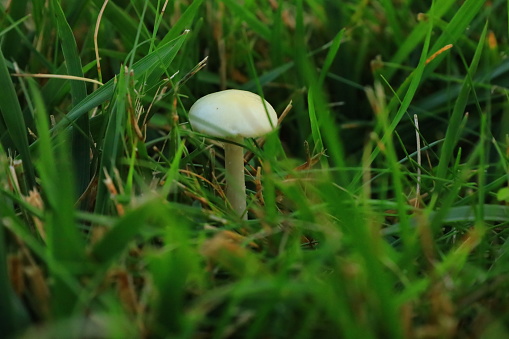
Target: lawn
[378, 207]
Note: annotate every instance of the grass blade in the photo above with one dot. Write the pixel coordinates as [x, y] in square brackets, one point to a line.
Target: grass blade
[65, 245]
[14, 122]
[171, 271]
[80, 135]
[331, 55]
[12, 318]
[112, 141]
[412, 82]
[11, 45]
[121, 234]
[157, 62]
[455, 29]
[13, 25]
[127, 26]
[453, 129]
[252, 21]
[417, 35]
[183, 23]
[392, 19]
[315, 126]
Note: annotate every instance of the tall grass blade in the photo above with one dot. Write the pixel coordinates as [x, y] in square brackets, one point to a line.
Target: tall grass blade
[453, 128]
[116, 127]
[122, 233]
[172, 270]
[331, 55]
[315, 126]
[13, 25]
[14, 122]
[127, 26]
[157, 62]
[183, 23]
[418, 34]
[320, 114]
[413, 82]
[455, 29]
[13, 316]
[242, 12]
[80, 140]
[392, 18]
[65, 245]
[10, 44]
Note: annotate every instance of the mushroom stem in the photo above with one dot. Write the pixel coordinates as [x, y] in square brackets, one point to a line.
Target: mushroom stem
[235, 182]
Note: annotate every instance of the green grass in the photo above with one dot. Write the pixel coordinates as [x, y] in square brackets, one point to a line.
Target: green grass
[113, 219]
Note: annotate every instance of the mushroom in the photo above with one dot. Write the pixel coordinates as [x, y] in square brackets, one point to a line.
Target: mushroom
[233, 115]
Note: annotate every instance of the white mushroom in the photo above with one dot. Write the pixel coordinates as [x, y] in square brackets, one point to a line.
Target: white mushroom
[233, 115]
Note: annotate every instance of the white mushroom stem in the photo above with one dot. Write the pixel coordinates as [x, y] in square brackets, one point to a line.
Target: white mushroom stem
[235, 182]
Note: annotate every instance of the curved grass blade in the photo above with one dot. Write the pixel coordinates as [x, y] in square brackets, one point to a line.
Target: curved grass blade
[80, 134]
[13, 119]
[414, 38]
[162, 56]
[251, 20]
[331, 55]
[65, 245]
[453, 129]
[115, 128]
[454, 30]
[12, 318]
[116, 239]
[183, 23]
[13, 25]
[492, 213]
[411, 84]
[16, 10]
[127, 27]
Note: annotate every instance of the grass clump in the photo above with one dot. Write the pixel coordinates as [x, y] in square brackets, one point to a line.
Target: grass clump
[377, 209]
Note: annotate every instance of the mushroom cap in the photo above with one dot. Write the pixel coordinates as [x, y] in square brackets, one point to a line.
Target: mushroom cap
[232, 113]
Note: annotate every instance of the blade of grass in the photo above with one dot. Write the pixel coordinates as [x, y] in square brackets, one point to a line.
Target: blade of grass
[112, 142]
[173, 171]
[140, 28]
[447, 198]
[38, 13]
[324, 120]
[412, 82]
[80, 135]
[13, 25]
[408, 237]
[364, 243]
[115, 241]
[454, 30]
[65, 245]
[24, 41]
[460, 214]
[245, 14]
[13, 118]
[12, 318]
[164, 54]
[315, 126]
[126, 25]
[11, 220]
[392, 19]
[10, 44]
[172, 270]
[183, 23]
[453, 128]
[266, 77]
[417, 35]
[331, 55]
